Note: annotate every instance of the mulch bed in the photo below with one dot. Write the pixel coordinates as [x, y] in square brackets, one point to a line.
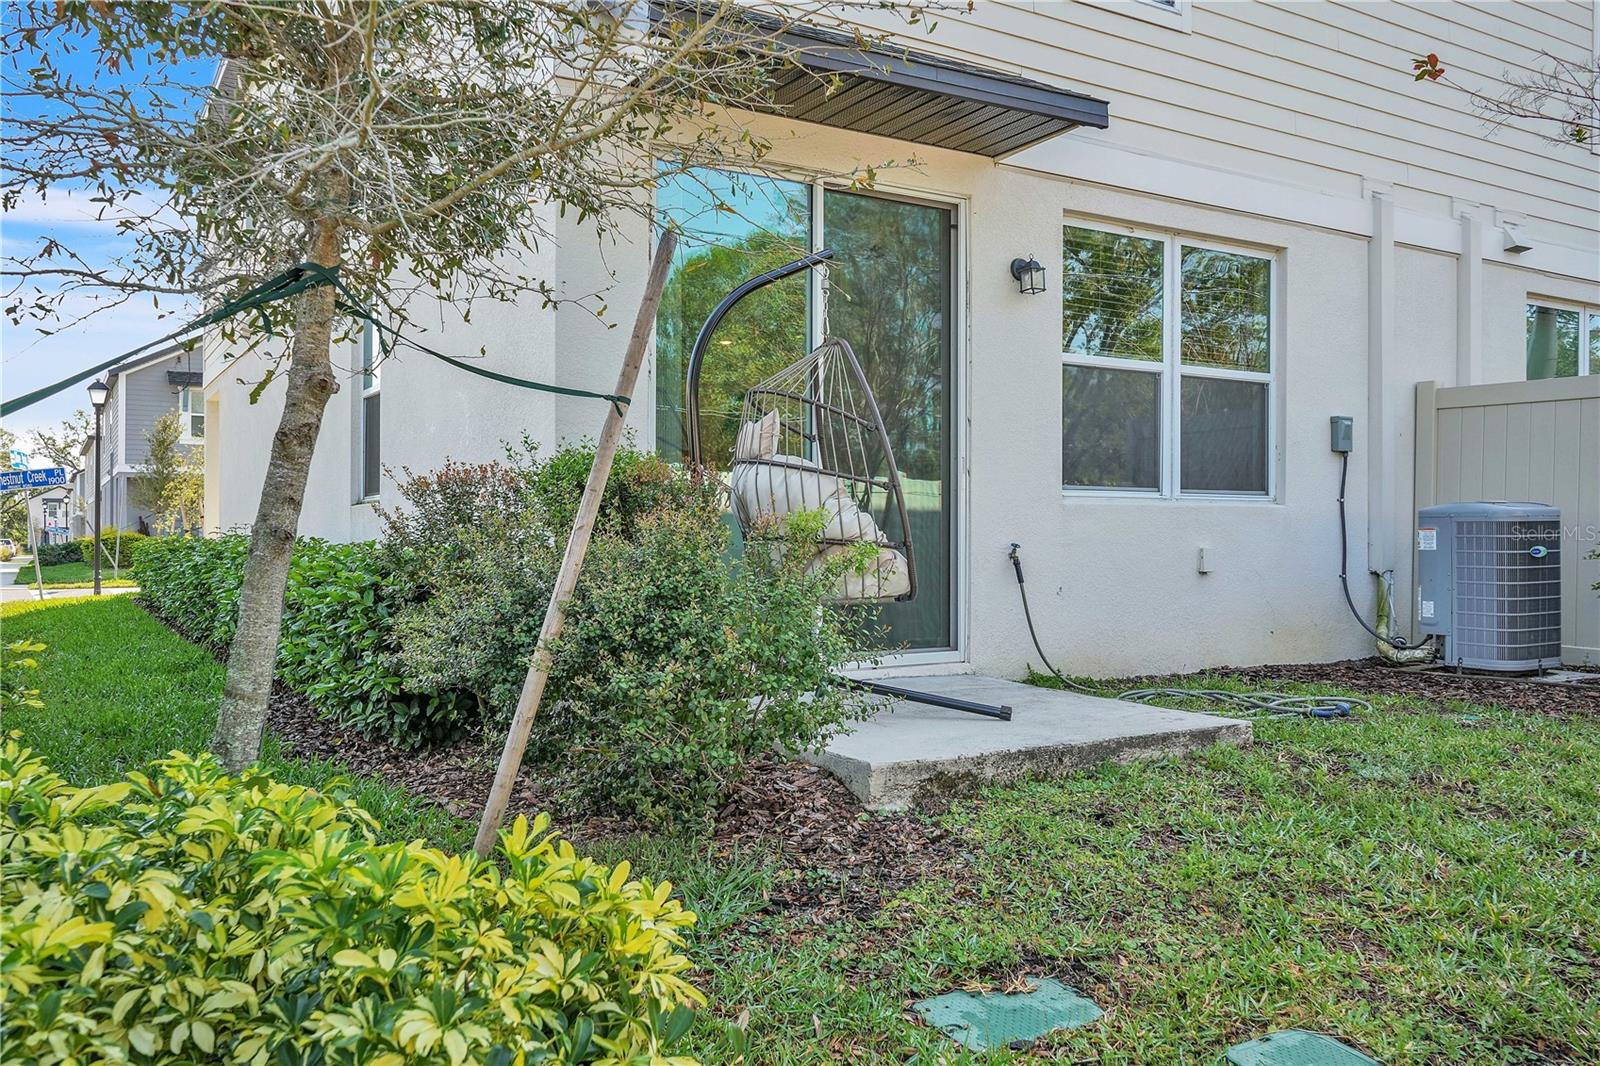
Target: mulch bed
[1439, 688]
[835, 859]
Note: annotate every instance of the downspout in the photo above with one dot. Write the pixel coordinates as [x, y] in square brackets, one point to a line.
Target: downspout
[1380, 493]
[1469, 301]
[1380, 344]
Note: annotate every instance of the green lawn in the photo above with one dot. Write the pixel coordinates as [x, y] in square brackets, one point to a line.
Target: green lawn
[120, 688]
[71, 576]
[1421, 884]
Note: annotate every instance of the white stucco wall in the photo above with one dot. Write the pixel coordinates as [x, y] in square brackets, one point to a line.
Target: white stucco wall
[1113, 581]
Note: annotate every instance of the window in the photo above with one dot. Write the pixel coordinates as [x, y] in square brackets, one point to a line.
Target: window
[1167, 365]
[734, 226]
[371, 471]
[1173, 14]
[1563, 342]
[192, 414]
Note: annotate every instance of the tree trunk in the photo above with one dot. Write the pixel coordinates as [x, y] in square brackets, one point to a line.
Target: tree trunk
[253, 655]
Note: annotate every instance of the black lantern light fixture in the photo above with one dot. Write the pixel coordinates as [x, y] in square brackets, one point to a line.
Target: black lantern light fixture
[98, 391]
[1029, 275]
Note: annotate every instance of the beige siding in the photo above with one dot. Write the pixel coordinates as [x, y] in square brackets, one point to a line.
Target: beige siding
[1537, 441]
[1315, 94]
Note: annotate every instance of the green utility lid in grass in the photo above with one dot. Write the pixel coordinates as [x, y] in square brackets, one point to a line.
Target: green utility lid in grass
[999, 1019]
[1296, 1047]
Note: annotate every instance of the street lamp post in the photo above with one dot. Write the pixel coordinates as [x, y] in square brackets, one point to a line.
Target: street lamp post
[98, 391]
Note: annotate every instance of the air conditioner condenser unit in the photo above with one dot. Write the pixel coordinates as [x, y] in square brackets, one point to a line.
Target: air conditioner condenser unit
[1489, 583]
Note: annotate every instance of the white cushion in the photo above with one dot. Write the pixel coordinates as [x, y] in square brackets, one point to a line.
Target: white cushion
[886, 578]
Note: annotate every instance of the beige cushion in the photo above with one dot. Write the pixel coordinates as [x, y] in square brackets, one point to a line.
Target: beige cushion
[759, 439]
[886, 578]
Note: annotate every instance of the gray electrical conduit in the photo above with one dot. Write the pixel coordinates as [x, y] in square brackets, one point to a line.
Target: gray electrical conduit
[1392, 649]
[1271, 704]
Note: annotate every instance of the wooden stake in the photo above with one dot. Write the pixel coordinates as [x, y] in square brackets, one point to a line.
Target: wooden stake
[555, 615]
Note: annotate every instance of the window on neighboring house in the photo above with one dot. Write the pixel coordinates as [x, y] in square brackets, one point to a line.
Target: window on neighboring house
[1563, 341]
[1167, 365]
[371, 415]
[192, 414]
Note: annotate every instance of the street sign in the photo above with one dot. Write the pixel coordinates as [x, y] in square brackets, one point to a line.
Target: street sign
[17, 459]
[23, 480]
[57, 529]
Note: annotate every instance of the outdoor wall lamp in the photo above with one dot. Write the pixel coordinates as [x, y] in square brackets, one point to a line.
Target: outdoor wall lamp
[98, 391]
[1029, 275]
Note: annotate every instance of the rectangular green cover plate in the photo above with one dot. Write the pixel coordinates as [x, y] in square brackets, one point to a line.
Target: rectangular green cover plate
[996, 1019]
[1296, 1047]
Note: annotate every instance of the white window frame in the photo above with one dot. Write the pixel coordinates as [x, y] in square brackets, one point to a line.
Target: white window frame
[1173, 370]
[1588, 328]
[1175, 16]
[371, 376]
[187, 395]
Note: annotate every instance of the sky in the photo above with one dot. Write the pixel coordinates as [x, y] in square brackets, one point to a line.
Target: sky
[28, 358]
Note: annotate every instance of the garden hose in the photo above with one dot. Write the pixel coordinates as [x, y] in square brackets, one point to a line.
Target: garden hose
[1268, 704]
[1016, 562]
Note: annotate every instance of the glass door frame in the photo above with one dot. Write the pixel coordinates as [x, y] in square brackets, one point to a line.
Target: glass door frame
[960, 367]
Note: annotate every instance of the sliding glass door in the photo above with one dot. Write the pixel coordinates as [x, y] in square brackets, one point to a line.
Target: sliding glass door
[890, 296]
[890, 293]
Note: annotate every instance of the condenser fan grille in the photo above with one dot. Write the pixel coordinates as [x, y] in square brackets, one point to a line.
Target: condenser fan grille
[1508, 595]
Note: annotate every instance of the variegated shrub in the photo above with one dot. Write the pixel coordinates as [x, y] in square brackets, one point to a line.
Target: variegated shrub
[184, 915]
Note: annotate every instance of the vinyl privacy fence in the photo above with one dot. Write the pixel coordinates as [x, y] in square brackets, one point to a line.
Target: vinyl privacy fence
[1535, 441]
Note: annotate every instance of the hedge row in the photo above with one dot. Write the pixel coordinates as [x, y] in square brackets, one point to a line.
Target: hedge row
[336, 640]
[64, 552]
[117, 547]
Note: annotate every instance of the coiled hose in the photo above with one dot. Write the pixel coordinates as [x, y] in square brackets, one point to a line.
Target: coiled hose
[1266, 704]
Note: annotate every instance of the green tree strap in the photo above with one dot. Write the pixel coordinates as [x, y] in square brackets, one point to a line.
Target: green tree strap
[292, 282]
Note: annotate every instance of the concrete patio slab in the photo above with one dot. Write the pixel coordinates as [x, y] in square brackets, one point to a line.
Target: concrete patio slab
[908, 753]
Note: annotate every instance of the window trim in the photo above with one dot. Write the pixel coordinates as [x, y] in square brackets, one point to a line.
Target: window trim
[1173, 369]
[187, 414]
[1588, 330]
[370, 374]
[1177, 16]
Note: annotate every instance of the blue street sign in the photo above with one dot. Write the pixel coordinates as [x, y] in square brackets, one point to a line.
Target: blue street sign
[19, 480]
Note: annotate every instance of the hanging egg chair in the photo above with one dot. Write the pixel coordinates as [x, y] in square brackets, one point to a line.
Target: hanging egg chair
[811, 438]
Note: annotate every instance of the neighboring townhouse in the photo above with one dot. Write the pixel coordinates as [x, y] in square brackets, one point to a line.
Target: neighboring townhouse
[51, 513]
[1250, 218]
[141, 392]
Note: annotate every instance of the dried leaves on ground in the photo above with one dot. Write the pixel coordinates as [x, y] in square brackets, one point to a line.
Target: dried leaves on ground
[835, 859]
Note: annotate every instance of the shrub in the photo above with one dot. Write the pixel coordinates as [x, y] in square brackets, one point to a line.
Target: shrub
[192, 583]
[336, 646]
[6, 554]
[188, 916]
[116, 547]
[678, 664]
[16, 658]
[64, 552]
[335, 643]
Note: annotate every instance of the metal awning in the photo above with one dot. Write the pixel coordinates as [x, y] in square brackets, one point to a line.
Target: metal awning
[896, 92]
